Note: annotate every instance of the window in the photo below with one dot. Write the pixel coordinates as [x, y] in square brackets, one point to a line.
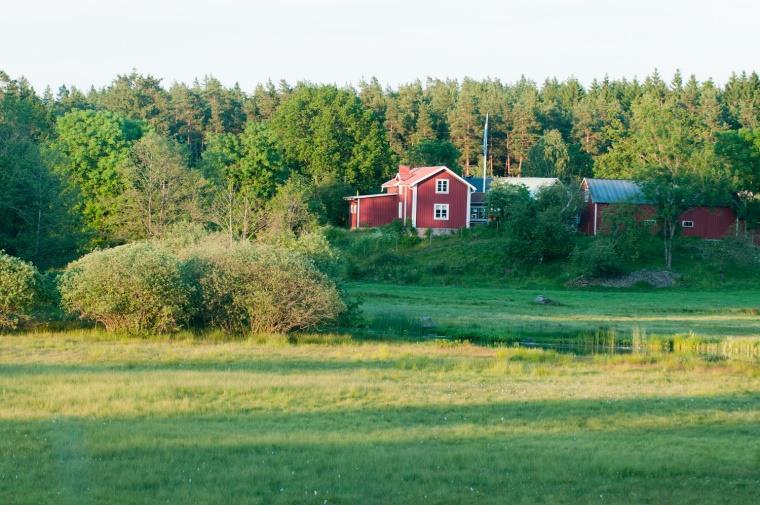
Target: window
[353, 208]
[586, 196]
[687, 224]
[477, 213]
[442, 186]
[441, 211]
[400, 210]
[650, 221]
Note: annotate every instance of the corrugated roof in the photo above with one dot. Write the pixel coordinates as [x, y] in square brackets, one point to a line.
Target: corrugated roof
[615, 191]
[533, 184]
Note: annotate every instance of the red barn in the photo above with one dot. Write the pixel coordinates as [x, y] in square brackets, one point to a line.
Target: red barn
[602, 195]
[426, 197]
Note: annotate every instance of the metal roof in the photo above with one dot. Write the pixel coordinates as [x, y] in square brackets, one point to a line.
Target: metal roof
[533, 184]
[614, 191]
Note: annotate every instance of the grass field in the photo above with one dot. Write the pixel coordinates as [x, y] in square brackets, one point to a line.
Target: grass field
[505, 313]
[88, 419]
[383, 417]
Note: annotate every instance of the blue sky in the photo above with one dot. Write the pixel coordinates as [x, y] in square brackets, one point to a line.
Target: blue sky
[84, 42]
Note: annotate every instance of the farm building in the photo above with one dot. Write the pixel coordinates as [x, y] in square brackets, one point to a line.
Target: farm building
[603, 196]
[432, 198]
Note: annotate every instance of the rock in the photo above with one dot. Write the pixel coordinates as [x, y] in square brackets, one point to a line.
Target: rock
[427, 322]
[542, 300]
[655, 278]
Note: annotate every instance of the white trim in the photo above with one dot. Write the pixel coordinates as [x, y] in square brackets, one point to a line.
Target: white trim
[595, 217]
[441, 207]
[368, 196]
[469, 210]
[414, 207]
[404, 196]
[439, 181]
[358, 214]
[401, 211]
[683, 223]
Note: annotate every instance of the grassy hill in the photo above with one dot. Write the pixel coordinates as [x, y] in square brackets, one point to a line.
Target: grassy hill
[478, 257]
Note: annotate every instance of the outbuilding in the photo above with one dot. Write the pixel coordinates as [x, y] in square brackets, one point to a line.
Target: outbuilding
[602, 196]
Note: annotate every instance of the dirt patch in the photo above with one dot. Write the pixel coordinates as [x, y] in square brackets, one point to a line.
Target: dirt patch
[655, 278]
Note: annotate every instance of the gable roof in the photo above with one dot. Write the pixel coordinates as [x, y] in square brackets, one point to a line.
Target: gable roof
[615, 191]
[419, 174]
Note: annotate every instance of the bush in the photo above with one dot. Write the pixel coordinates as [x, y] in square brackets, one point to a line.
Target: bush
[18, 281]
[599, 259]
[259, 288]
[133, 288]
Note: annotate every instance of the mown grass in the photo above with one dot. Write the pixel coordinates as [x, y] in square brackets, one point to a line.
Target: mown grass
[89, 418]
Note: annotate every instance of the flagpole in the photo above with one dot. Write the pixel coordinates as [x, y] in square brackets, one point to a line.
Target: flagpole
[485, 153]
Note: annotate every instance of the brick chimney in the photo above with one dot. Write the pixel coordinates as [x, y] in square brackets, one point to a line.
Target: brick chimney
[404, 172]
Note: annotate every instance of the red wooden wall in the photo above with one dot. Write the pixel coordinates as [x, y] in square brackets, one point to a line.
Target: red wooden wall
[375, 211]
[456, 198]
[715, 222]
[709, 222]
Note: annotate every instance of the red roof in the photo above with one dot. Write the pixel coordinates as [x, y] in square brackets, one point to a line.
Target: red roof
[415, 175]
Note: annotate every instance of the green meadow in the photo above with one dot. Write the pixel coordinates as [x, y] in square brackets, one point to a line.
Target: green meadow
[511, 314]
[87, 417]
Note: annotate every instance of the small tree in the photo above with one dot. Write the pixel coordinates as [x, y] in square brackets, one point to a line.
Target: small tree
[672, 195]
[162, 190]
[17, 290]
[133, 288]
[508, 202]
[538, 229]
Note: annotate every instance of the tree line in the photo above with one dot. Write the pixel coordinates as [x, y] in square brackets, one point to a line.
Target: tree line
[96, 168]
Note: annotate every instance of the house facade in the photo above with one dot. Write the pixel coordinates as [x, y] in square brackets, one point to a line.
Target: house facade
[603, 196]
[432, 198]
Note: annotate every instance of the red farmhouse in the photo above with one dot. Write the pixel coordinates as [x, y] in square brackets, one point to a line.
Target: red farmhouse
[426, 197]
[601, 195]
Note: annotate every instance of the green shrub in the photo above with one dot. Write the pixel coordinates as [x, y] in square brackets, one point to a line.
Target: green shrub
[132, 288]
[599, 259]
[18, 281]
[262, 289]
[313, 245]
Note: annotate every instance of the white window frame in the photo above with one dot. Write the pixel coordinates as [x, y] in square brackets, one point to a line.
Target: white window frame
[478, 213]
[439, 184]
[690, 225]
[353, 208]
[401, 210]
[444, 211]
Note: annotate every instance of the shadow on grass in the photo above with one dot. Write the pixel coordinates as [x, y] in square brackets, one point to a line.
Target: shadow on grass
[279, 366]
[349, 456]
